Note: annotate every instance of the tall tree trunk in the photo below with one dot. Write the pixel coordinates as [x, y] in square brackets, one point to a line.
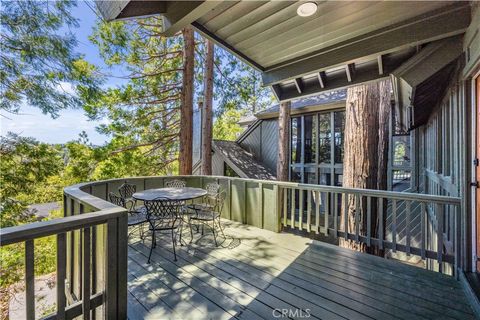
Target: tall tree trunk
[384, 110]
[366, 153]
[207, 111]
[283, 137]
[186, 110]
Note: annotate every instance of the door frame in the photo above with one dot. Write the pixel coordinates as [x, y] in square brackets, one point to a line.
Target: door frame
[475, 97]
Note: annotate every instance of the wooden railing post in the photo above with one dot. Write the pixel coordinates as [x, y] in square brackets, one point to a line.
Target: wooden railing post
[116, 269]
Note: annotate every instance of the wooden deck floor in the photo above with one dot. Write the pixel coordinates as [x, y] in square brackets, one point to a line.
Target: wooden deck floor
[256, 274]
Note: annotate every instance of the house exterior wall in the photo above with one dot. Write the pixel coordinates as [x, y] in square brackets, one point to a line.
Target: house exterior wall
[262, 143]
[218, 165]
[253, 142]
[269, 144]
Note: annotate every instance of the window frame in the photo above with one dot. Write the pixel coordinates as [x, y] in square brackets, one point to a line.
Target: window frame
[334, 168]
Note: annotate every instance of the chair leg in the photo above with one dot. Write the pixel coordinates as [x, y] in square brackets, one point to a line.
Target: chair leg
[151, 245]
[173, 244]
[214, 235]
[221, 228]
[191, 231]
[181, 231]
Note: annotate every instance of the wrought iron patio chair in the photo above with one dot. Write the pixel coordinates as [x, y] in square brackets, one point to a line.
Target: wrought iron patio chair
[136, 217]
[127, 190]
[210, 214]
[176, 183]
[164, 214]
[209, 200]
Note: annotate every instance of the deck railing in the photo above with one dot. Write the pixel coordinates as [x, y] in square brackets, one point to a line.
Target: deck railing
[426, 226]
[92, 242]
[91, 268]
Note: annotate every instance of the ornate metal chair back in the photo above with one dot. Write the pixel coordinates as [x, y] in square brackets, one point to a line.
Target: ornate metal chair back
[219, 201]
[163, 209]
[175, 184]
[116, 200]
[212, 188]
[127, 190]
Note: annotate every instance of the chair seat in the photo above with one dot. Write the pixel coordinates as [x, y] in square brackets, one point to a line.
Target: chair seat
[135, 218]
[164, 224]
[205, 215]
[200, 206]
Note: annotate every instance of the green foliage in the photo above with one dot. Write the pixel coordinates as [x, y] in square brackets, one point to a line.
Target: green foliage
[12, 258]
[226, 125]
[25, 164]
[144, 112]
[38, 64]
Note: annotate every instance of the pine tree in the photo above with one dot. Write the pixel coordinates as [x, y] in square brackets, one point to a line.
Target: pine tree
[38, 62]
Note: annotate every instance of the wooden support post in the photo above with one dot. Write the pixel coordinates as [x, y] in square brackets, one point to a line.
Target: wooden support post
[30, 279]
[283, 138]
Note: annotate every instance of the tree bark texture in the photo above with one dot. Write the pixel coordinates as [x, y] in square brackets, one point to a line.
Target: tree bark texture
[207, 111]
[365, 154]
[186, 109]
[283, 138]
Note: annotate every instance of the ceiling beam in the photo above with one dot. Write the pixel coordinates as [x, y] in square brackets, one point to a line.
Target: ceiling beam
[124, 9]
[428, 27]
[182, 13]
[299, 84]
[380, 64]
[277, 91]
[350, 71]
[334, 83]
[322, 79]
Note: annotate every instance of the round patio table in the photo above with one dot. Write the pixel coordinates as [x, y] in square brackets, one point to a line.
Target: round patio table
[180, 194]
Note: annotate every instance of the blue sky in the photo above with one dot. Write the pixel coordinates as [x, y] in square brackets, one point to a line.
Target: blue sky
[31, 122]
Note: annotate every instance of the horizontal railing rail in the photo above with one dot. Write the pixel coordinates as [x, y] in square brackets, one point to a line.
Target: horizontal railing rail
[92, 245]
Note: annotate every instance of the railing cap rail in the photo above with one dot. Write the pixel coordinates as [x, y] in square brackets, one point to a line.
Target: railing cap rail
[75, 191]
[47, 228]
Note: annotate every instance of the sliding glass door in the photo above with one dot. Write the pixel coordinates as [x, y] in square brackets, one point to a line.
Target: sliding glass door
[316, 148]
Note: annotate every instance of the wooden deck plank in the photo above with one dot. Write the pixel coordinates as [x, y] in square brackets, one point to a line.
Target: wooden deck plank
[279, 291]
[390, 275]
[274, 276]
[402, 270]
[187, 300]
[270, 274]
[252, 308]
[386, 303]
[135, 311]
[209, 292]
[147, 299]
[209, 271]
[256, 271]
[421, 272]
[252, 280]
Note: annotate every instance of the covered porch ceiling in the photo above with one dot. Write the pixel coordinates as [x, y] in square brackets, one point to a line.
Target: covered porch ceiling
[343, 43]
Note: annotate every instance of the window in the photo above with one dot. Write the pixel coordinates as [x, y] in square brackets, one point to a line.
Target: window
[296, 141]
[401, 166]
[317, 148]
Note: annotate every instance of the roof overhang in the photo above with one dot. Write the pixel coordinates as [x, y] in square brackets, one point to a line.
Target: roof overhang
[343, 44]
[420, 82]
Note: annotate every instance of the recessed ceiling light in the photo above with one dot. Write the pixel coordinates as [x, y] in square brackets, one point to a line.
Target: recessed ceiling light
[307, 9]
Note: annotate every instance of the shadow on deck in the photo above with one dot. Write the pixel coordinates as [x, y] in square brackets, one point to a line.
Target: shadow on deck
[256, 274]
